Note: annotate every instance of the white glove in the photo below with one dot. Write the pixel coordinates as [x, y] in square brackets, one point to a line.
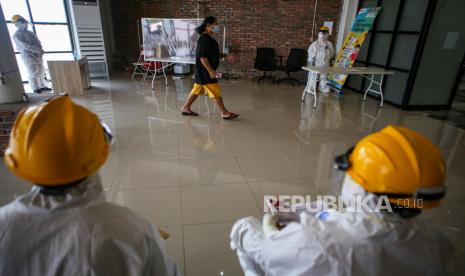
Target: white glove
[270, 224]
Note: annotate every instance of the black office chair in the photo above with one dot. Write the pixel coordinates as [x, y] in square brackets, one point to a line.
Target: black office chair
[266, 61]
[296, 59]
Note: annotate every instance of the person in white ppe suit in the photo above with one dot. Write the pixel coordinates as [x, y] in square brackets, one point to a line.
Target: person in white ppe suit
[397, 165]
[30, 48]
[320, 53]
[64, 226]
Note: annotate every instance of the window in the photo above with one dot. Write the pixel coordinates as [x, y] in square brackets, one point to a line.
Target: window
[50, 23]
[392, 44]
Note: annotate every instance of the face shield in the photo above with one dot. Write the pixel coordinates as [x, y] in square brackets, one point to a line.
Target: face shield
[107, 133]
[323, 35]
[22, 24]
[348, 188]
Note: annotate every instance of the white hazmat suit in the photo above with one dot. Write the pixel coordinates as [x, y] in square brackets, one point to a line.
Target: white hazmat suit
[78, 233]
[320, 53]
[31, 51]
[342, 243]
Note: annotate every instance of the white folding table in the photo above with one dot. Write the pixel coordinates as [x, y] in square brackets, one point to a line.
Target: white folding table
[167, 62]
[366, 72]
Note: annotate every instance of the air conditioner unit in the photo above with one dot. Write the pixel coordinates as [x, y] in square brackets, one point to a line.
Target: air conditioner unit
[88, 35]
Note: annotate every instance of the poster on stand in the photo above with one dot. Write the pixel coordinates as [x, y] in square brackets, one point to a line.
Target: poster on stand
[352, 44]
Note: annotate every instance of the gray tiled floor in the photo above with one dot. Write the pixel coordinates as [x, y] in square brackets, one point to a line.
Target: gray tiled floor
[195, 176]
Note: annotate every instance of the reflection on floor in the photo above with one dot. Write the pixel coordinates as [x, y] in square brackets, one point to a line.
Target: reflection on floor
[452, 117]
[195, 176]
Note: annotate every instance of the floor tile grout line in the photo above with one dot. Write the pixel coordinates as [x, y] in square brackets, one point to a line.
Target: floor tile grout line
[182, 222]
[247, 183]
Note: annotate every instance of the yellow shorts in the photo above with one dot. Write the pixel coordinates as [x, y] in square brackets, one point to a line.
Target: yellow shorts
[212, 89]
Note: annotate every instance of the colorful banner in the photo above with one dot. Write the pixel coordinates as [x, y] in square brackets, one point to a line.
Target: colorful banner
[351, 47]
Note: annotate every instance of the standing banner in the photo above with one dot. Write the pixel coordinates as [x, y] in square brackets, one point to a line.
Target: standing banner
[351, 47]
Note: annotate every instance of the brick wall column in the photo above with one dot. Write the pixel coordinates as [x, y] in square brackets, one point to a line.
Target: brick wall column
[250, 23]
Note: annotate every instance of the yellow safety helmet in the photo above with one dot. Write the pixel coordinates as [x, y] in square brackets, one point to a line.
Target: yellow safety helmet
[399, 163]
[57, 142]
[17, 18]
[324, 29]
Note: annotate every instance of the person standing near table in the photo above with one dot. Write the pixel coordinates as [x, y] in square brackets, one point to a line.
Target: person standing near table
[320, 53]
[207, 59]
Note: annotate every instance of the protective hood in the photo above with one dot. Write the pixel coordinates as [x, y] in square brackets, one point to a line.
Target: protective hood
[88, 192]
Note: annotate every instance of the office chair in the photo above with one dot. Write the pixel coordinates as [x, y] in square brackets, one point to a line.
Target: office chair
[296, 59]
[266, 61]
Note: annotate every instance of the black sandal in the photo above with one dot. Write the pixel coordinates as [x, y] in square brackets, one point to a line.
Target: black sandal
[190, 113]
[231, 116]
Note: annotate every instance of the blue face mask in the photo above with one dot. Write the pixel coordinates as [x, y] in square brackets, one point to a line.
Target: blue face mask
[216, 29]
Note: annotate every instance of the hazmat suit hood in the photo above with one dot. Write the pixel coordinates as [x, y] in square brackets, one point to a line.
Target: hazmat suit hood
[87, 192]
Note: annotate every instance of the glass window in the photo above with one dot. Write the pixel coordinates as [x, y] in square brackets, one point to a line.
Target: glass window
[48, 11]
[413, 14]
[362, 55]
[387, 16]
[380, 48]
[54, 37]
[394, 88]
[355, 81]
[369, 4]
[12, 7]
[404, 51]
[58, 56]
[12, 29]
